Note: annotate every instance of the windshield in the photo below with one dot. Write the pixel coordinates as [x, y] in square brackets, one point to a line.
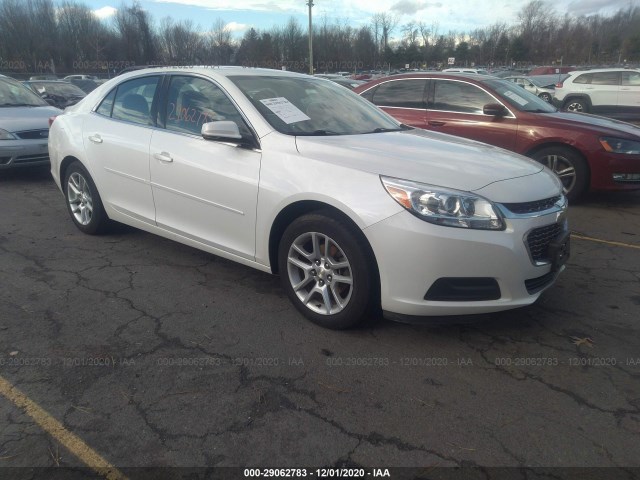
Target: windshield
[62, 89]
[519, 98]
[312, 106]
[14, 94]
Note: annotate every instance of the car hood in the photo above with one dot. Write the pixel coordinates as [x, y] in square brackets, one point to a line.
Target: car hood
[421, 156]
[598, 124]
[18, 119]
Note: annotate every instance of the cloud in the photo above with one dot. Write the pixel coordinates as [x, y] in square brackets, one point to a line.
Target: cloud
[411, 7]
[280, 6]
[589, 7]
[236, 27]
[105, 12]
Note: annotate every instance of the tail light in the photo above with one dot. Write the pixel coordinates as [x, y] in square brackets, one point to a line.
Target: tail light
[51, 120]
[559, 85]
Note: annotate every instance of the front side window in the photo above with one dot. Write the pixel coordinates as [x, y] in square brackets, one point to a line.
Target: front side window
[453, 96]
[631, 79]
[134, 99]
[401, 93]
[298, 105]
[606, 78]
[193, 101]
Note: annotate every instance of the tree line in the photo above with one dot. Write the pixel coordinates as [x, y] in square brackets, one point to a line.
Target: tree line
[67, 37]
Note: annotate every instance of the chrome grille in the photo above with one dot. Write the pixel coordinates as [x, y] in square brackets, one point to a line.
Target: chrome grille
[532, 207]
[33, 134]
[31, 158]
[539, 239]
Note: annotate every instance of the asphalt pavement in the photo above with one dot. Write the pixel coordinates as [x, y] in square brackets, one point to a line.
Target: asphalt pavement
[151, 353]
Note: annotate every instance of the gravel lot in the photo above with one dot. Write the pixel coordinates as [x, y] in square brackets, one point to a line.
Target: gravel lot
[156, 354]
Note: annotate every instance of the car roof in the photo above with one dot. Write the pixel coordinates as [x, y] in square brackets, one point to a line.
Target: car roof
[221, 71]
[599, 70]
[443, 74]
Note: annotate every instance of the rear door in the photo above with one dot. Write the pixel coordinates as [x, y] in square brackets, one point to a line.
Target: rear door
[603, 91]
[629, 96]
[116, 140]
[456, 107]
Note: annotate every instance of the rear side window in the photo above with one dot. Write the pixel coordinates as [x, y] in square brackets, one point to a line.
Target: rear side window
[582, 79]
[107, 104]
[606, 78]
[134, 99]
[401, 93]
[460, 97]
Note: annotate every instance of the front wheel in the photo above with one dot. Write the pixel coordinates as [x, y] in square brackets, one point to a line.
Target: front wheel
[83, 201]
[569, 166]
[545, 96]
[326, 270]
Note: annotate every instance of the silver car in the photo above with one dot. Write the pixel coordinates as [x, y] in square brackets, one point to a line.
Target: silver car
[24, 126]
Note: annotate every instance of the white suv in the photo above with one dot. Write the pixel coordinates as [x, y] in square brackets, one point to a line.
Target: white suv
[613, 92]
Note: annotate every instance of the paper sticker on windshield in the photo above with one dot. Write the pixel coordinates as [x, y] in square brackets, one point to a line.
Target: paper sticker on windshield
[516, 98]
[285, 110]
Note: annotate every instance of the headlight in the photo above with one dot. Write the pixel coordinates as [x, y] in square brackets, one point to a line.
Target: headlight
[4, 135]
[442, 206]
[620, 145]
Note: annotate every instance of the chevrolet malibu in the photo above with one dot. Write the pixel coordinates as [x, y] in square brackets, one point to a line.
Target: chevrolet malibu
[296, 175]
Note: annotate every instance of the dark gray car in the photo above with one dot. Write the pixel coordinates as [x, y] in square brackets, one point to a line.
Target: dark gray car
[24, 126]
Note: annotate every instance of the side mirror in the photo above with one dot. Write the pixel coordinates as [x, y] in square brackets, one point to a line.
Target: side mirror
[495, 110]
[50, 101]
[221, 130]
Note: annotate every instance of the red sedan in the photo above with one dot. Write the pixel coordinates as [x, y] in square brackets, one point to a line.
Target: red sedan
[585, 151]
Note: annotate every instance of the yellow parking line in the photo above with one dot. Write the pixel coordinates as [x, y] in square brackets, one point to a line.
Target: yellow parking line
[54, 428]
[608, 242]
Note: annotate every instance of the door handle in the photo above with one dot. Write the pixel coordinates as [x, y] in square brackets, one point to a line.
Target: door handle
[163, 157]
[436, 123]
[95, 138]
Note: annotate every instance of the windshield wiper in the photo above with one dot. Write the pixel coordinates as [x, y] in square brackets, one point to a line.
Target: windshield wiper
[317, 133]
[18, 105]
[384, 130]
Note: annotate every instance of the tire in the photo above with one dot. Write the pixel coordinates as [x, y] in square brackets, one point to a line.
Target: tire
[576, 105]
[570, 167]
[335, 291]
[545, 96]
[83, 200]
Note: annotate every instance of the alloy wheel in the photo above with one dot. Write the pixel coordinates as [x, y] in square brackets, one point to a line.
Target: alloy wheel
[80, 199]
[563, 168]
[320, 273]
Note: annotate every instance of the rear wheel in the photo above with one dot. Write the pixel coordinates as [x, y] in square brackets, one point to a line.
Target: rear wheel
[569, 166]
[326, 270]
[83, 201]
[576, 105]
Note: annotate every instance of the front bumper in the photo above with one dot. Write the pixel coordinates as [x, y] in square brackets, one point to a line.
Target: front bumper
[413, 254]
[604, 166]
[23, 153]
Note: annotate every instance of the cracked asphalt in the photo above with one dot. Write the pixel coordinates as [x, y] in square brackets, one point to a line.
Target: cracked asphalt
[157, 354]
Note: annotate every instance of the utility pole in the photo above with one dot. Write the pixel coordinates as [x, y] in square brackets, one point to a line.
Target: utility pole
[310, 3]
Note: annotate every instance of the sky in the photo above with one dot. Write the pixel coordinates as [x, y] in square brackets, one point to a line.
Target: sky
[458, 15]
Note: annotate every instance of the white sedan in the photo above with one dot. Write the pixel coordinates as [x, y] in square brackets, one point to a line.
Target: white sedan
[296, 175]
